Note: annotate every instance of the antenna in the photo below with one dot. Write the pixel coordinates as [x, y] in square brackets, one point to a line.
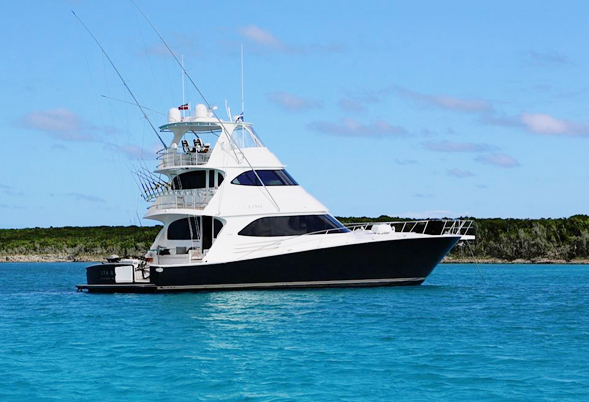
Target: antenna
[206, 102]
[183, 103]
[242, 98]
[122, 79]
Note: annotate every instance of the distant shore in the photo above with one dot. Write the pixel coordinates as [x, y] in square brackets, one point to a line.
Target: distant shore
[450, 260]
[49, 258]
[447, 260]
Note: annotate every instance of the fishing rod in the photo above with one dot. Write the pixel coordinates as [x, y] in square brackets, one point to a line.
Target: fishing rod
[132, 104]
[122, 79]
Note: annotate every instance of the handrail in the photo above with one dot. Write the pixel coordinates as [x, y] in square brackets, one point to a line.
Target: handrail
[191, 199]
[460, 231]
[432, 227]
[170, 158]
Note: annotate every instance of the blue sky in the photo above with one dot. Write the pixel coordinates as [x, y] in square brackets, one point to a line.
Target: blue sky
[416, 109]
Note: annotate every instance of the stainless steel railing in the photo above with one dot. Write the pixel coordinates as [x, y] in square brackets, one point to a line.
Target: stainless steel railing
[170, 158]
[191, 199]
[460, 227]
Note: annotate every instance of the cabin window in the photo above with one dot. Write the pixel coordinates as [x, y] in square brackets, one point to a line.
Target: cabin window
[184, 229]
[217, 226]
[190, 180]
[268, 177]
[293, 226]
[197, 179]
[245, 137]
[211, 178]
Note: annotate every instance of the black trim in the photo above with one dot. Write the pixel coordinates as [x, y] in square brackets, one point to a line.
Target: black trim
[268, 177]
[408, 259]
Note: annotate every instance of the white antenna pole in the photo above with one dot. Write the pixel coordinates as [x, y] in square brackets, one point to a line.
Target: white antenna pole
[242, 98]
[183, 86]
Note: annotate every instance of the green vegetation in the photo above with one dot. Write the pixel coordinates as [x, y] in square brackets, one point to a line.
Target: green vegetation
[74, 243]
[497, 239]
[519, 239]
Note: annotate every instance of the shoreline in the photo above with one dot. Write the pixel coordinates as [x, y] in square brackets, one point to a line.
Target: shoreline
[50, 258]
[538, 261]
[27, 258]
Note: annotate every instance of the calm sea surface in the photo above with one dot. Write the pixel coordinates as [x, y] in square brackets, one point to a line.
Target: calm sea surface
[521, 334]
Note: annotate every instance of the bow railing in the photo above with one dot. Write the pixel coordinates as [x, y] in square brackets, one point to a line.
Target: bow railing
[460, 227]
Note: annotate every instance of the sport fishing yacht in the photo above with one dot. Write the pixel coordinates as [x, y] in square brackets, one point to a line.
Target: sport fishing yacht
[234, 218]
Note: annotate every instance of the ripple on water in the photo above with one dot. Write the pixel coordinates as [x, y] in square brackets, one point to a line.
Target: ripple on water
[521, 334]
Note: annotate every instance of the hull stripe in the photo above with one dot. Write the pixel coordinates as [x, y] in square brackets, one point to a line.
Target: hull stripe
[366, 282]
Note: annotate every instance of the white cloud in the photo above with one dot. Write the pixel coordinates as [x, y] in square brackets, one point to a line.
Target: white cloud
[406, 162]
[351, 128]
[133, 152]
[60, 123]
[292, 102]
[544, 124]
[548, 125]
[351, 105]
[261, 37]
[445, 101]
[449, 146]
[461, 174]
[439, 213]
[498, 159]
[538, 123]
[86, 197]
[182, 43]
[9, 190]
[267, 40]
[497, 119]
[546, 59]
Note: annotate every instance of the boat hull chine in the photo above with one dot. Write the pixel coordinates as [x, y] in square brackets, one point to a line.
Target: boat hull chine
[401, 262]
[385, 263]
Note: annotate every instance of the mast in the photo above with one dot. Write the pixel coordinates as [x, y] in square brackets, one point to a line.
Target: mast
[242, 97]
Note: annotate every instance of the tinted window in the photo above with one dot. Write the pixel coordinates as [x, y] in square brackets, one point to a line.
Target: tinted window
[293, 225]
[268, 177]
[217, 226]
[183, 229]
[190, 180]
[211, 178]
[219, 178]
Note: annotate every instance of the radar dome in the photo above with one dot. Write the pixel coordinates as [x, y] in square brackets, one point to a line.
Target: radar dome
[200, 111]
[174, 115]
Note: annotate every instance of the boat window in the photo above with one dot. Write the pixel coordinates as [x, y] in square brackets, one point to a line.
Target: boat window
[268, 177]
[293, 226]
[190, 180]
[217, 226]
[211, 178]
[245, 137]
[184, 229]
[197, 179]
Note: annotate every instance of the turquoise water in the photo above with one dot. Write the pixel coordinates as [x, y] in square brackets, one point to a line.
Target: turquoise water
[522, 334]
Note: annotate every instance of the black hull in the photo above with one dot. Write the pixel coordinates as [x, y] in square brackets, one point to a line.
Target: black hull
[384, 263]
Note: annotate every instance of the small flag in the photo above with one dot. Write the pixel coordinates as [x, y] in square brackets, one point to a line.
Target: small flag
[183, 107]
[239, 118]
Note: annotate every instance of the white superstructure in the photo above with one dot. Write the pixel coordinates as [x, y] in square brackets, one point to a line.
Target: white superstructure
[221, 178]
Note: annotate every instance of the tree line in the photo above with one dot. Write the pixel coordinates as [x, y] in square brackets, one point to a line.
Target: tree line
[519, 239]
[496, 238]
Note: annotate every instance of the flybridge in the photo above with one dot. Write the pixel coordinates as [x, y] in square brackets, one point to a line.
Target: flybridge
[192, 151]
